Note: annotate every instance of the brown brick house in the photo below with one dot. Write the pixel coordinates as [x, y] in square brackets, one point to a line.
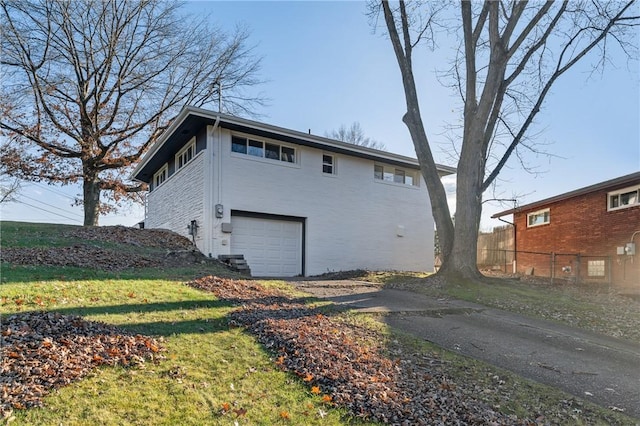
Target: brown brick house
[590, 234]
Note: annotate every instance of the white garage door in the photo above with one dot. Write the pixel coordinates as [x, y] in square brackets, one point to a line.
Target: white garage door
[272, 248]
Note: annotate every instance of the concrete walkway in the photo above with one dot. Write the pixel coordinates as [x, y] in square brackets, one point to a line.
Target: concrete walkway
[597, 368]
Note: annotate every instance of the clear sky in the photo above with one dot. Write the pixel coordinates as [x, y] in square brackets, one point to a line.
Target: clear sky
[324, 66]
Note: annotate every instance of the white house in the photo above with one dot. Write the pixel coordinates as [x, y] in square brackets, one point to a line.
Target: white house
[292, 203]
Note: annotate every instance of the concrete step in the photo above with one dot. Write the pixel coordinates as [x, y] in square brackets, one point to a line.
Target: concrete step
[225, 257]
[236, 262]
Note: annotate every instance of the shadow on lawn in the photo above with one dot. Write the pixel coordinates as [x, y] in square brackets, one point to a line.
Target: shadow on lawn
[204, 324]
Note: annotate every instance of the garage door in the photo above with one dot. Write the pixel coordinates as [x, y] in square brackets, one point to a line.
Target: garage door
[272, 247]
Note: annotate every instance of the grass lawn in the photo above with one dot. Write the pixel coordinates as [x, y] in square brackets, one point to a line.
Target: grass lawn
[208, 365]
[212, 373]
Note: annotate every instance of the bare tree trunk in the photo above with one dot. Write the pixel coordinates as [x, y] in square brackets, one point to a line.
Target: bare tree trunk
[91, 200]
[463, 259]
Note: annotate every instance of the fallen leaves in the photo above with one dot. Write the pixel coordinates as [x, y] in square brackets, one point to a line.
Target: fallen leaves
[180, 251]
[42, 351]
[343, 364]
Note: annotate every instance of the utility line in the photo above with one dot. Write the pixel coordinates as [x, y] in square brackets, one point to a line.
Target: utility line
[45, 210]
[50, 205]
[46, 187]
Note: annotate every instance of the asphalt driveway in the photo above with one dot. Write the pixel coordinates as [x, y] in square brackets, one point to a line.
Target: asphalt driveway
[601, 369]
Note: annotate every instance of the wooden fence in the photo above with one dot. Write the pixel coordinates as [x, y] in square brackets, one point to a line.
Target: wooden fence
[495, 249]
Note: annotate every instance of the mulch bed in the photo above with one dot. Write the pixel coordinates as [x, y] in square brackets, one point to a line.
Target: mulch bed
[347, 364]
[42, 351]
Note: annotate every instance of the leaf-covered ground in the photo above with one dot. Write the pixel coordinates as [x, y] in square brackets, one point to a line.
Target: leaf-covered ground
[102, 248]
[42, 351]
[344, 364]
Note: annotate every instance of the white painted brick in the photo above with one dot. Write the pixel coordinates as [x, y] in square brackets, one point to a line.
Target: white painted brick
[352, 219]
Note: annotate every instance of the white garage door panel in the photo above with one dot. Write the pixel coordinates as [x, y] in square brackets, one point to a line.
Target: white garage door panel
[273, 248]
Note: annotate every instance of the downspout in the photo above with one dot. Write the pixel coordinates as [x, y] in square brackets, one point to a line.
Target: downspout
[219, 163]
[209, 220]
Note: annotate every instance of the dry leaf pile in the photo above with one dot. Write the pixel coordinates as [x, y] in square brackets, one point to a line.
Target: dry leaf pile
[343, 362]
[180, 251]
[134, 236]
[41, 351]
[81, 256]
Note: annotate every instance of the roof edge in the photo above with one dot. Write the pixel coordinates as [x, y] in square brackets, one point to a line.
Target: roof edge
[622, 180]
[212, 115]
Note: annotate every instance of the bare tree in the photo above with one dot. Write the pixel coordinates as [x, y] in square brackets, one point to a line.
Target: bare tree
[89, 85]
[510, 56]
[9, 187]
[355, 135]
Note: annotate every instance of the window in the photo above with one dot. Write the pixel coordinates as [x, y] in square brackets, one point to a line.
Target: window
[399, 176]
[595, 268]
[627, 197]
[395, 175]
[238, 145]
[256, 148]
[328, 164]
[541, 217]
[378, 172]
[186, 154]
[160, 176]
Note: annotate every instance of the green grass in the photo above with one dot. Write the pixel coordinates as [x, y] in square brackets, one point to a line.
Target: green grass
[208, 363]
[24, 234]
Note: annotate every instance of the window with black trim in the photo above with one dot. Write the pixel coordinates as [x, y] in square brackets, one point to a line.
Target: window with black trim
[328, 164]
[623, 198]
[186, 154]
[261, 149]
[540, 217]
[395, 175]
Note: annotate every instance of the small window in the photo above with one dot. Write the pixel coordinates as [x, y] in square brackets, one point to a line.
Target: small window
[272, 151]
[328, 165]
[160, 176]
[288, 154]
[238, 145]
[256, 148]
[623, 198]
[595, 268]
[186, 154]
[399, 176]
[378, 172]
[541, 217]
[395, 175]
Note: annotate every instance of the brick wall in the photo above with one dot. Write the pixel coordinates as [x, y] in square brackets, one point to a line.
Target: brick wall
[581, 224]
[179, 200]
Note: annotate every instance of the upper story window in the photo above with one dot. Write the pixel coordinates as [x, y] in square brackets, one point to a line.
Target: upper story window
[160, 176]
[328, 164]
[263, 149]
[541, 217]
[623, 198]
[186, 154]
[395, 175]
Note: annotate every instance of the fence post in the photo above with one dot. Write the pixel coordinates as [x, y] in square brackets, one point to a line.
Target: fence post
[553, 266]
[578, 268]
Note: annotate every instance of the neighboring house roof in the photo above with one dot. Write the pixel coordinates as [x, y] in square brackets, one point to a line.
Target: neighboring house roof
[629, 179]
[191, 119]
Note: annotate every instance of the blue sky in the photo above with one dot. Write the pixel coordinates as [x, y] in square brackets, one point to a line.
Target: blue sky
[324, 66]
